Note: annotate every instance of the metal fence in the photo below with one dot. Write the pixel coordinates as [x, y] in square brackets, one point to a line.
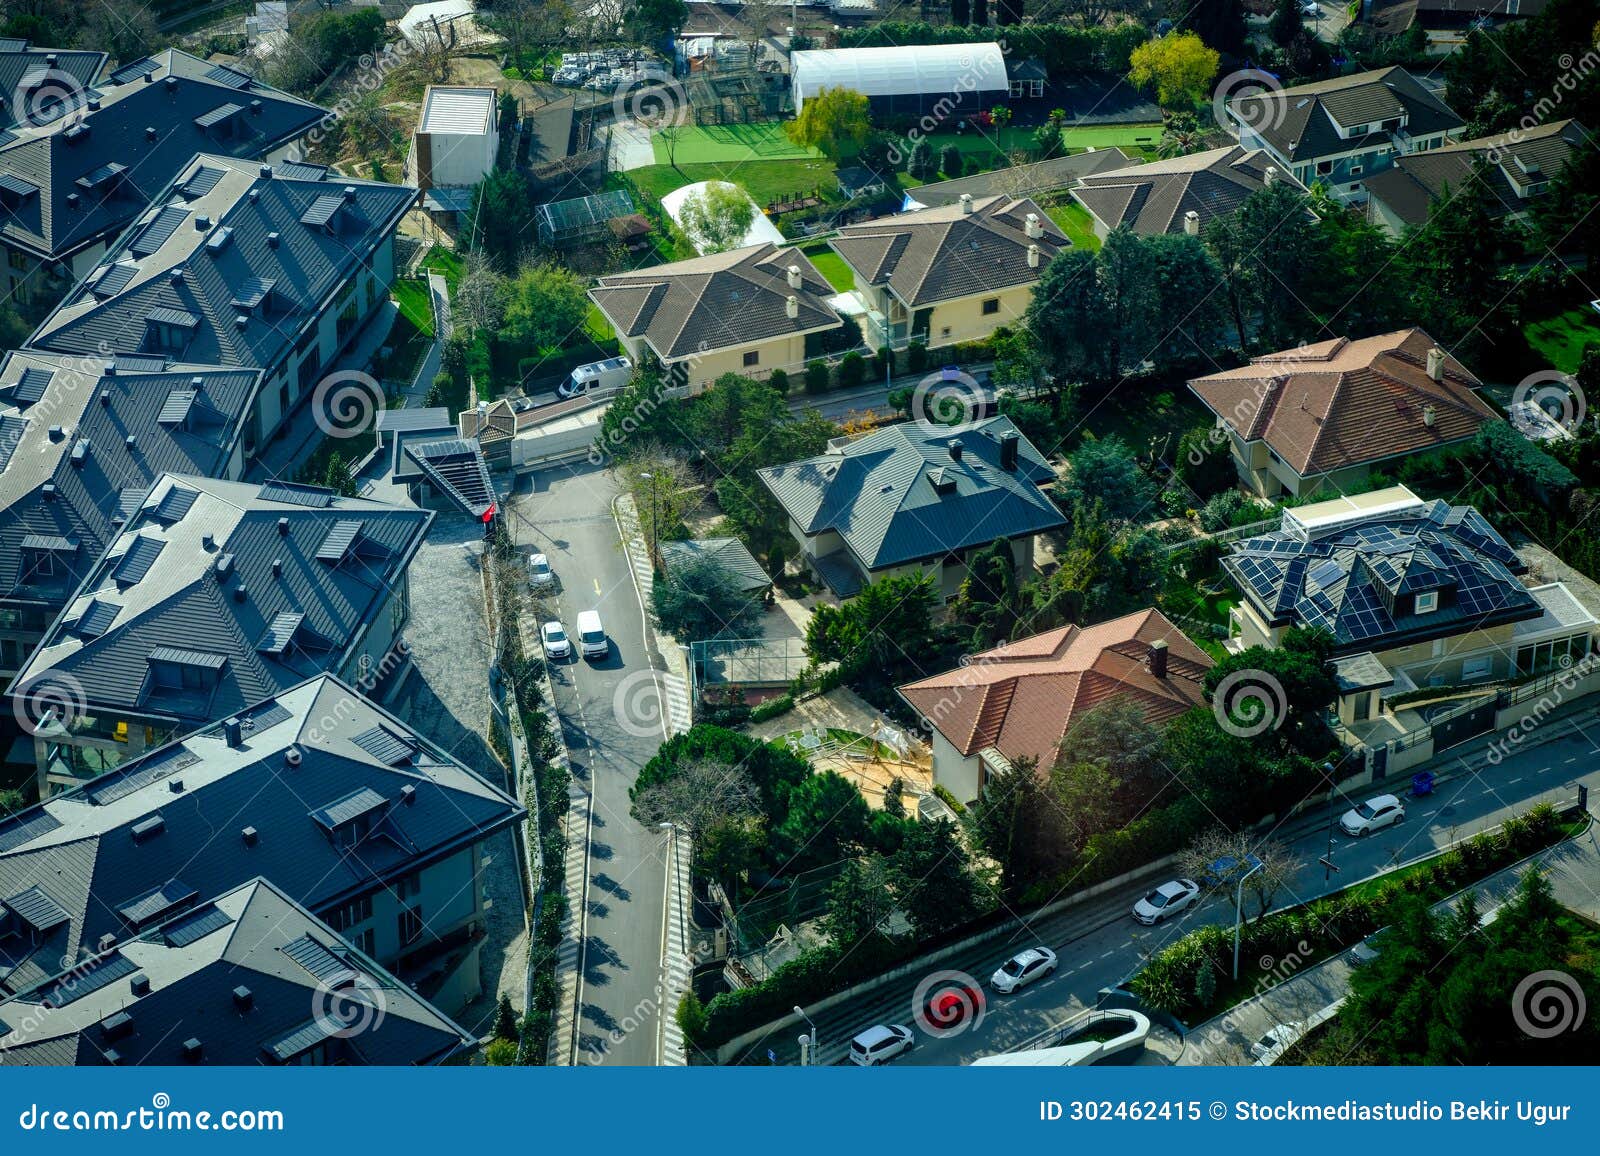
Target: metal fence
[748, 661]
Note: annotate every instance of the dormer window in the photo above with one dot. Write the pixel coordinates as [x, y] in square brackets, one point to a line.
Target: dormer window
[1427, 602]
[169, 330]
[349, 820]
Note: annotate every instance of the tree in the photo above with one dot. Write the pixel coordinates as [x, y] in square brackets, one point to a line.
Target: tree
[831, 121]
[701, 599]
[1019, 824]
[1566, 219]
[1286, 22]
[505, 1020]
[717, 217]
[127, 30]
[1234, 853]
[664, 489]
[1125, 272]
[859, 902]
[1066, 316]
[480, 297]
[1282, 258]
[500, 220]
[1104, 471]
[1290, 687]
[1178, 65]
[1087, 793]
[1000, 116]
[882, 633]
[951, 161]
[1220, 23]
[500, 1053]
[655, 21]
[1116, 735]
[1181, 134]
[11, 801]
[701, 794]
[336, 476]
[545, 306]
[1190, 305]
[827, 821]
[932, 880]
[920, 164]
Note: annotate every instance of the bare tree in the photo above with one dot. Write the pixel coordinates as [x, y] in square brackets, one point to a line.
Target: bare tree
[1227, 855]
[700, 795]
[480, 300]
[664, 488]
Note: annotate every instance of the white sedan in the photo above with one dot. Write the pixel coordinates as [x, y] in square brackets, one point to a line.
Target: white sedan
[1373, 815]
[1166, 901]
[540, 576]
[880, 1044]
[556, 642]
[1022, 969]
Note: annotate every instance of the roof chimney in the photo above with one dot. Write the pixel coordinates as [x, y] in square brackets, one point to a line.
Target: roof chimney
[192, 1049]
[1429, 415]
[1270, 175]
[1191, 223]
[139, 983]
[966, 203]
[291, 757]
[241, 592]
[250, 836]
[1436, 363]
[1008, 451]
[1033, 256]
[277, 567]
[794, 276]
[172, 84]
[955, 449]
[1158, 658]
[232, 731]
[255, 108]
[243, 998]
[283, 527]
[208, 542]
[265, 172]
[149, 132]
[792, 307]
[131, 442]
[1032, 226]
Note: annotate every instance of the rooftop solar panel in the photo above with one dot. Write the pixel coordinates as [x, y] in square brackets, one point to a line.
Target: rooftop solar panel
[317, 959]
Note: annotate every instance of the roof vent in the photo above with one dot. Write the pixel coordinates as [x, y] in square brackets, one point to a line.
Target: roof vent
[131, 442]
[232, 732]
[172, 84]
[292, 757]
[966, 203]
[791, 307]
[147, 829]
[80, 453]
[1009, 443]
[243, 998]
[208, 542]
[241, 321]
[175, 786]
[105, 397]
[57, 433]
[202, 223]
[94, 104]
[240, 592]
[408, 795]
[1429, 415]
[149, 132]
[265, 172]
[50, 60]
[176, 276]
[253, 196]
[48, 491]
[255, 108]
[139, 983]
[1191, 223]
[955, 449]
[1032, 227]
[72, 200]
[350, 193]
[224, 567]
[283, 527]
[107, 942]
[277, 567]
[1270, 175]
[110, 370]
[272, 240]
[116, 1025]
[1033, 256]
[794, 276]
[192, 1049]
[250, 836]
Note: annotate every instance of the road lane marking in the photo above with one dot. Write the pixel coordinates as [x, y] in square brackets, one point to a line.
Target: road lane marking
[597, 587]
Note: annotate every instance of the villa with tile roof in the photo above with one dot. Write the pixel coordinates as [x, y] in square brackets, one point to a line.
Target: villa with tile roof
[1020, 699]
[347, 809]
[1324, 416]
[241, 265]
[1181, 195]
[912, 498]
[77, 169]
[1518, 166]
[249, 978]
[214, 595]
[747, 311]
[1340, 132]
[948, 274]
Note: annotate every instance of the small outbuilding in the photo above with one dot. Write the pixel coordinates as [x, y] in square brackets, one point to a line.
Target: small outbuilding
[729, 554]
[456, 139]
[958, 79]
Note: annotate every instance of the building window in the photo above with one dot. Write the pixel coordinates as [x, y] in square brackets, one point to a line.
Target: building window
[1355, 170]
[18, 261]
[1324, 168]
[945, 331]
[991, 305]
[1428, 602]
[365, 942]
[352, 913]
[1438, 648]
[753, 357]
[1475, 668]
[410, 924]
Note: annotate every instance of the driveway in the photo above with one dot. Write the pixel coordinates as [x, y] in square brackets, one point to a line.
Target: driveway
[611, 719]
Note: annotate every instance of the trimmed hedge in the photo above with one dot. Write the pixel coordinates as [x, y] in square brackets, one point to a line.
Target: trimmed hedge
[772, 708]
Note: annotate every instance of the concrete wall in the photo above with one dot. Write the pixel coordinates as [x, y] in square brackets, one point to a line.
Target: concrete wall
[441, 158]
[961, 775]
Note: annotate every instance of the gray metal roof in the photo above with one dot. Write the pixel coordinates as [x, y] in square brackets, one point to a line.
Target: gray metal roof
[234, 978]
[729, 553]
[878, 495]
[145, 130]
[76, 847]
[456, 468]
[162, 573]
[19, 59]
[1022, 180]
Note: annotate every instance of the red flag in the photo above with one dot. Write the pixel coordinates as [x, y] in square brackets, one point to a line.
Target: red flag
[488, 515]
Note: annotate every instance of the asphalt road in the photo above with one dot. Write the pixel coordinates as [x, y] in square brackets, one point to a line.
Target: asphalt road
[1099, 944]
[610, 711]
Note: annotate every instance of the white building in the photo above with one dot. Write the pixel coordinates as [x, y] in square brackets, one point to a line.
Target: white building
[456, 137]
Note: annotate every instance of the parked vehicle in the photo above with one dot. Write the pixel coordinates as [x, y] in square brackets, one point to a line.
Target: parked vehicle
[1166, 901]
[880, 1044]
[1373, 815]
[951, 1006]
[540, 576]
[613, 372]
[1277, 1040]
[592, 640]
[1022, 969]
[1365, 952]
[556, 642]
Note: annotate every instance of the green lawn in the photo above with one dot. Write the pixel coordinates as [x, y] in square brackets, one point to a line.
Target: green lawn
[596, 325]
[411, 295]
[1074, 220]
[831, 266]
[763, 180]
[1129, 137]
[1145, 418]
[1561, 339]
[732, 143]
[447, 263]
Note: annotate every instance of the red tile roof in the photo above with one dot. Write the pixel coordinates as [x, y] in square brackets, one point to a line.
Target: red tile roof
[1021, 697]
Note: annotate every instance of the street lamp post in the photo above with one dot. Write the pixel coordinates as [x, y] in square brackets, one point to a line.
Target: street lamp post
[651, 478]
[809, 1044]
[1238, 913]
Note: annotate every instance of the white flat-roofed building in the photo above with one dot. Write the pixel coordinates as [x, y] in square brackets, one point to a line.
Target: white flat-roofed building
[456, 137]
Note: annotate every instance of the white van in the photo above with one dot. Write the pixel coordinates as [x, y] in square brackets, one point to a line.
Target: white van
[592, 640]
[613, 372]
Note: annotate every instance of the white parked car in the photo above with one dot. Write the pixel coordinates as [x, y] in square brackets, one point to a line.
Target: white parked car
[540, 576]
[1278, 1038]
[556, 642]
[1022, 969]
[1166, 901]
[592, 640]
[1373, 815]
[1312, 10]
[879, 1045]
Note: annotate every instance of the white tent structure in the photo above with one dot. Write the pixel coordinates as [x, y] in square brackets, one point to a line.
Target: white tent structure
[761, 229]
[906, 81]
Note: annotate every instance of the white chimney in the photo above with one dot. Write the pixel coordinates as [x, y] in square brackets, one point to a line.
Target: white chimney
[1033, 256]
[1270, 175]
[966, 203]
[1033, 227]
[792, 307]
[1191, 223]
[794, 276]
[1429, 415]
[1436, 363]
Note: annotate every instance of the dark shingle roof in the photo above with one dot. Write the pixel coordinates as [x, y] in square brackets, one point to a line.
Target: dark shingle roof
[233, 983]
[877, 492]
[1023, 180]
[938, 254]
[1156, 198]
[128, 149]
[18, 59]
[1300, 123]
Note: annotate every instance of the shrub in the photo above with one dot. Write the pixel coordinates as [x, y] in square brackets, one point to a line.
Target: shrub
[916, 357]
[949, 800]
[691, 1017]
[816, 376]
[772, 708]
[852, 370]
[778, 380]
[951, 161]
[883, 361]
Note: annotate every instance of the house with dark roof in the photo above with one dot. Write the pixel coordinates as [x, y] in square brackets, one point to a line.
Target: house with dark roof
[34, 80]
[1019, 180]
[1444, 23]
[1414, 594]
[248, 978]
[1324, 416]
[1517, 167]
[747, 311]
[1180, 195]
[1019, 700]
[213, 595]
[76, 169]
[948, 274]
[347, 809]
[915, 497]
[729, 555]
[81, 440]
[240, 265]
[1340, 132]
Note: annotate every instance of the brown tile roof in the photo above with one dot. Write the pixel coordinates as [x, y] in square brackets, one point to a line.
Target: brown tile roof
[717, 301]
[941, 254]
[1153, 199]
[1021, 697]
[1341, 403]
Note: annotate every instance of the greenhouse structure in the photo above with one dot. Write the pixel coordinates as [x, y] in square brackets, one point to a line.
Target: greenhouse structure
[942, 80]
